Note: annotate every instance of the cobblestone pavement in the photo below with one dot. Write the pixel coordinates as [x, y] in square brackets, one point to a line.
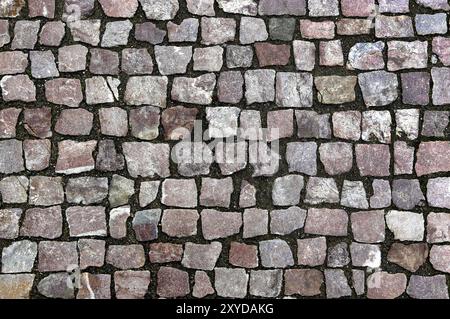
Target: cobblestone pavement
[224, 148]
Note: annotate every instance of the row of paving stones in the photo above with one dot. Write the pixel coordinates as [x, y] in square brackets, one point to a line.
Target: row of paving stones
[286, 89]
[150, 123]
[230, 283]
[100, 199]
[28, 33]
[196, 158]
[85, 221]
[286, 191]
[167, 10]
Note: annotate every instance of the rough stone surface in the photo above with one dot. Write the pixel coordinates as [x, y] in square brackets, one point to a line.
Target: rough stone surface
[411, 257]
[384, 285]
[224, 149]
[428, 287]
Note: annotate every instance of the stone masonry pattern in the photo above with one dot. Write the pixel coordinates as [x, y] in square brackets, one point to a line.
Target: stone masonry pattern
[339, 110]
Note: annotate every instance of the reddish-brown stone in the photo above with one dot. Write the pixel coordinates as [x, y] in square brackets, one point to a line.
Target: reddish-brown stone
[172, 283]
[303, 282]
[272, 54]
[243, 255]
[433, 157]
[165, 252]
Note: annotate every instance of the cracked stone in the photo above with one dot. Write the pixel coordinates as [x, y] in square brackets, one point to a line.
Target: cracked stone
[75, 157]
[293, 89]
